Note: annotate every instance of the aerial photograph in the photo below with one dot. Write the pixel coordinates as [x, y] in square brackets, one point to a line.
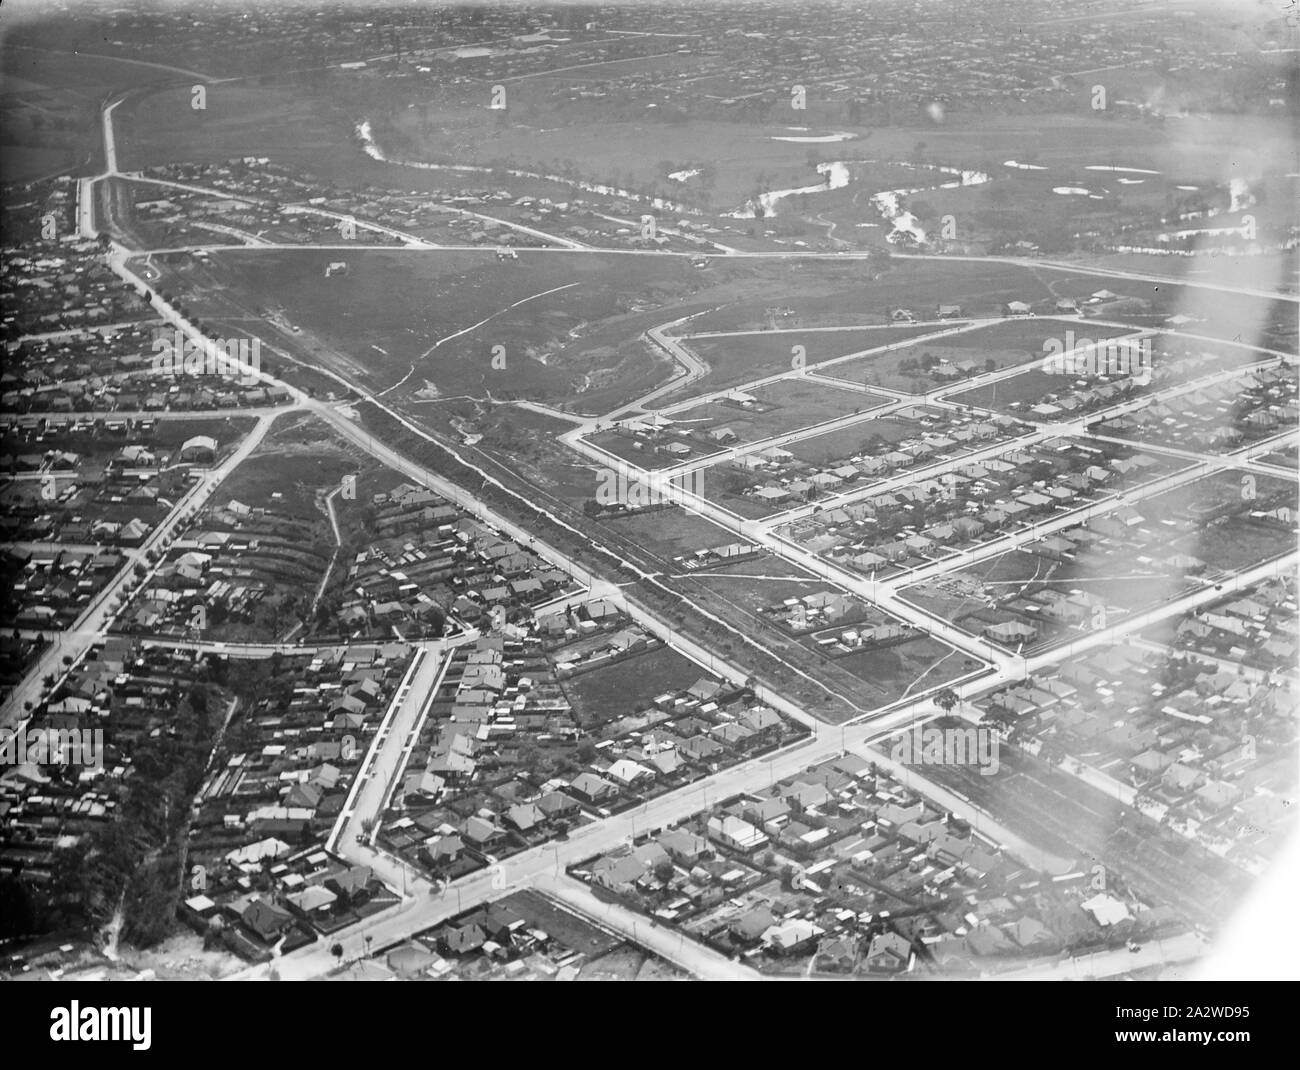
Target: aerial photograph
[654, 490]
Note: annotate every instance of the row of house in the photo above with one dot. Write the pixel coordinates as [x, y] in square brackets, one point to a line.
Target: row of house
[808, 876]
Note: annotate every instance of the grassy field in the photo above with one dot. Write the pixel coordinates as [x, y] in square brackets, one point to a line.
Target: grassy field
[628, 685]
[430, 320]
[395, 310]
[1024, 205]
[839, 293]
[669, 533]
[641, 153]
[170, 434]
[768, 567]
[742, 357]
[629, 154]
[622, 446]
[423, 325]
[298, 461]
[1017, 336]
[796, 403]
[568, 928]
[910, 667]
[1016, 394]
[49, 103]
[846, 441]
[758, 594]
[290, 123]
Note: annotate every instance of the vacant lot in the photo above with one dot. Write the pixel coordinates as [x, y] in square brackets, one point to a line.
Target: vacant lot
[563, 925]
[834, 293]
[669, 533]
[437, 318]
[170, 434]
[628, 685]
[846, 441]
[906, 668]
[299, 461]
[795, 403]
[756, 594]
[1016, 394]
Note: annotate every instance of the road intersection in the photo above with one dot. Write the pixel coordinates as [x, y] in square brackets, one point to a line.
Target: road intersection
[353, 837]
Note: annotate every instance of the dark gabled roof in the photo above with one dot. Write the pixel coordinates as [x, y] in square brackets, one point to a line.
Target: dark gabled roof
[265, 919]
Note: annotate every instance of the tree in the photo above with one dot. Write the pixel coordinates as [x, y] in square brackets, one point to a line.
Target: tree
[664, 871]
[18, 913]
[337, 951]
[946, 699]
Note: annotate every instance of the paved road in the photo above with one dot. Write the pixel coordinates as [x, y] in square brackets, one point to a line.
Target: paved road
[425, 906]
[384, 762]
[1175, 952]
[541, 866]
[696, 959]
